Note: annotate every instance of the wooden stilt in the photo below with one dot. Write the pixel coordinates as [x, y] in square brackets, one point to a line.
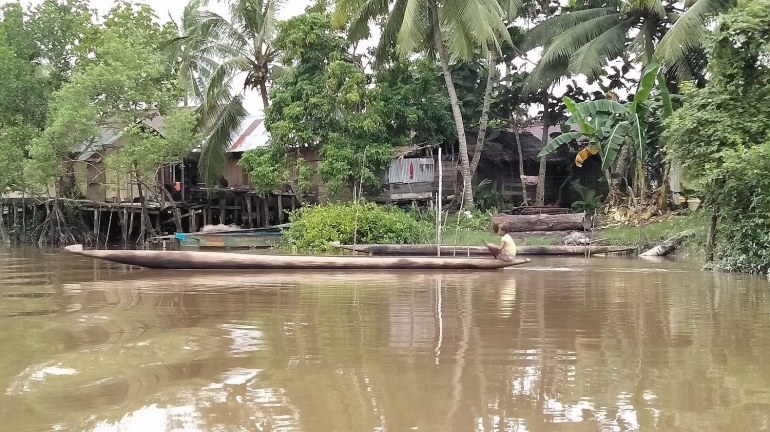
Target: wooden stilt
[265, 212]
[131, 223]
[193, 221]
[279, 218]
[247, 200]
[96, 224]
[209, 219]
[109, 227]
[222, 210]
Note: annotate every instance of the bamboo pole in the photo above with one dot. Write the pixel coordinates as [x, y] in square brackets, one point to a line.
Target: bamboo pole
[438, 201]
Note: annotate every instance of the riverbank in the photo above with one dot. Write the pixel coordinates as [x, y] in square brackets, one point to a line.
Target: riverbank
[610, 233]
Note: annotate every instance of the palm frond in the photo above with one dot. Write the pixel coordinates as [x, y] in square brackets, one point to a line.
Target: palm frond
[227, 118]
[548, 30]
[511, 8]
[414, 27]
[224, 73]
[359, 23]
[568, 43]
[591, 58]
[689, 30]
[215, 27]
[389, 34]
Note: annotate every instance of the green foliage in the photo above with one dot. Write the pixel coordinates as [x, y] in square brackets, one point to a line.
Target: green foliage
[412, 100]
[589, 201]
[313, 227]
[323, 103]
[488, 198]
[23, 96]
[270, 168]
[13, 142]
[609, 125]
[720, 135]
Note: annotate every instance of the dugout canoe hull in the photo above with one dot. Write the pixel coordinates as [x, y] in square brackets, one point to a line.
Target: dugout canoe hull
[448, 250]
[236, 261]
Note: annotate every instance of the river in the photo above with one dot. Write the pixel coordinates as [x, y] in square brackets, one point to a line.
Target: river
[562, 344]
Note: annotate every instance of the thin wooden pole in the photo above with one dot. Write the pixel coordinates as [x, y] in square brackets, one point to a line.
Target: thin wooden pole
[247, 199]
[438, 200]
[280, 209]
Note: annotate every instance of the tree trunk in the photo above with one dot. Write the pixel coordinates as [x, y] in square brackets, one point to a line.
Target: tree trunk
[491, 75]
[522, 223]
[540, 192]
[144, 217]
[524, 197]
[263, 93]
[669, 245]
[458, 118]
[712, 235]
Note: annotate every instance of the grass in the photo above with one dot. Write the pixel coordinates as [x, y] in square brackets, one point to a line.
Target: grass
[656, 232]
[652, 234]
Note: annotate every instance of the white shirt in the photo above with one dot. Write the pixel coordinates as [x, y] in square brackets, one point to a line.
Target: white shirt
[510, 246]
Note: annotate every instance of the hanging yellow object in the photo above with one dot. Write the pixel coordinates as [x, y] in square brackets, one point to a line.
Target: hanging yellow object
[584, 154]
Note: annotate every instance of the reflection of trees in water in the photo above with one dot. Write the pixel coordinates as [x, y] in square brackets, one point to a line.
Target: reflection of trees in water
[519, 351]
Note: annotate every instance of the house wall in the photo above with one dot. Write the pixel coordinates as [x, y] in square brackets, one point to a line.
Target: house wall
[98, 183]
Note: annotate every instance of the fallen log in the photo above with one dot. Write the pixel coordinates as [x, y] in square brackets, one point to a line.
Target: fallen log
[534, 210]
[668, 246]
[449, 250]
[542, 222]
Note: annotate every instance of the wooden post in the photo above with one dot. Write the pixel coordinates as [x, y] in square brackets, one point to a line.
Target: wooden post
[131, 223]
[96, 226]
[182, 180]
[193, 221]
[257, 213]
[209, 219]
[124, 224]
[438, 201]
[222, 210]
[279, 219]
[109, 226]
[247, 199]
[266, 212]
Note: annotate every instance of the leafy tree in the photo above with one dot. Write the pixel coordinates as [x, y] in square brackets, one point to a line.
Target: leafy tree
[65, 33]
[323, 103]
[449, 27]
[215, 50]
[720, 137]
[23, 96]
[413, 106]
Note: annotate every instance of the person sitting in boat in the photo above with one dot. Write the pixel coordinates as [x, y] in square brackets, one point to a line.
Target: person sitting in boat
[507, 246]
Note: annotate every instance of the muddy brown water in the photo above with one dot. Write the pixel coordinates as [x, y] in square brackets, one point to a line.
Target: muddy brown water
[613, 344]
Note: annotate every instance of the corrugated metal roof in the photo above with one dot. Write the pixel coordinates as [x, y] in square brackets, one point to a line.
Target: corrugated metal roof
[250, 135]
[107, 137]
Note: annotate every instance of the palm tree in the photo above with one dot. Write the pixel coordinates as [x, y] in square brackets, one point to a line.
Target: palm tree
[441, 27]
[585, 39]
[212, 50]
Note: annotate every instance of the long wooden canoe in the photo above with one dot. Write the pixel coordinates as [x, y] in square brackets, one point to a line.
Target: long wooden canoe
[449, 250]
[234, 261]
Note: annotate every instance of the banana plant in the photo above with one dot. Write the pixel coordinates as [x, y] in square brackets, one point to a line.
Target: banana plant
[606, 126]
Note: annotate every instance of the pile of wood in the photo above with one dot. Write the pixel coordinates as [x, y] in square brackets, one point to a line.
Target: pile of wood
[539, 222]
[536, 210]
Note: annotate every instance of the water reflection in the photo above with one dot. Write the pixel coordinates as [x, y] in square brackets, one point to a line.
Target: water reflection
[607, 345]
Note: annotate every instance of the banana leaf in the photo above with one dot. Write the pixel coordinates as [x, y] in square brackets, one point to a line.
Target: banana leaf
[611, 146]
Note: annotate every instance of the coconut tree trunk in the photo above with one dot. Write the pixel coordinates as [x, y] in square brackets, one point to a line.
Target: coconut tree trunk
[540, 192]
[263, 93]
[465, 167]
[484, 114]
[524, 197]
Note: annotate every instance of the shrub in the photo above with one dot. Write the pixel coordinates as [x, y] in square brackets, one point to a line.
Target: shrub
[313, 227]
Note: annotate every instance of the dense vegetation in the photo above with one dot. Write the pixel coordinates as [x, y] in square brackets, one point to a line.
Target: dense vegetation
[680, 83]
